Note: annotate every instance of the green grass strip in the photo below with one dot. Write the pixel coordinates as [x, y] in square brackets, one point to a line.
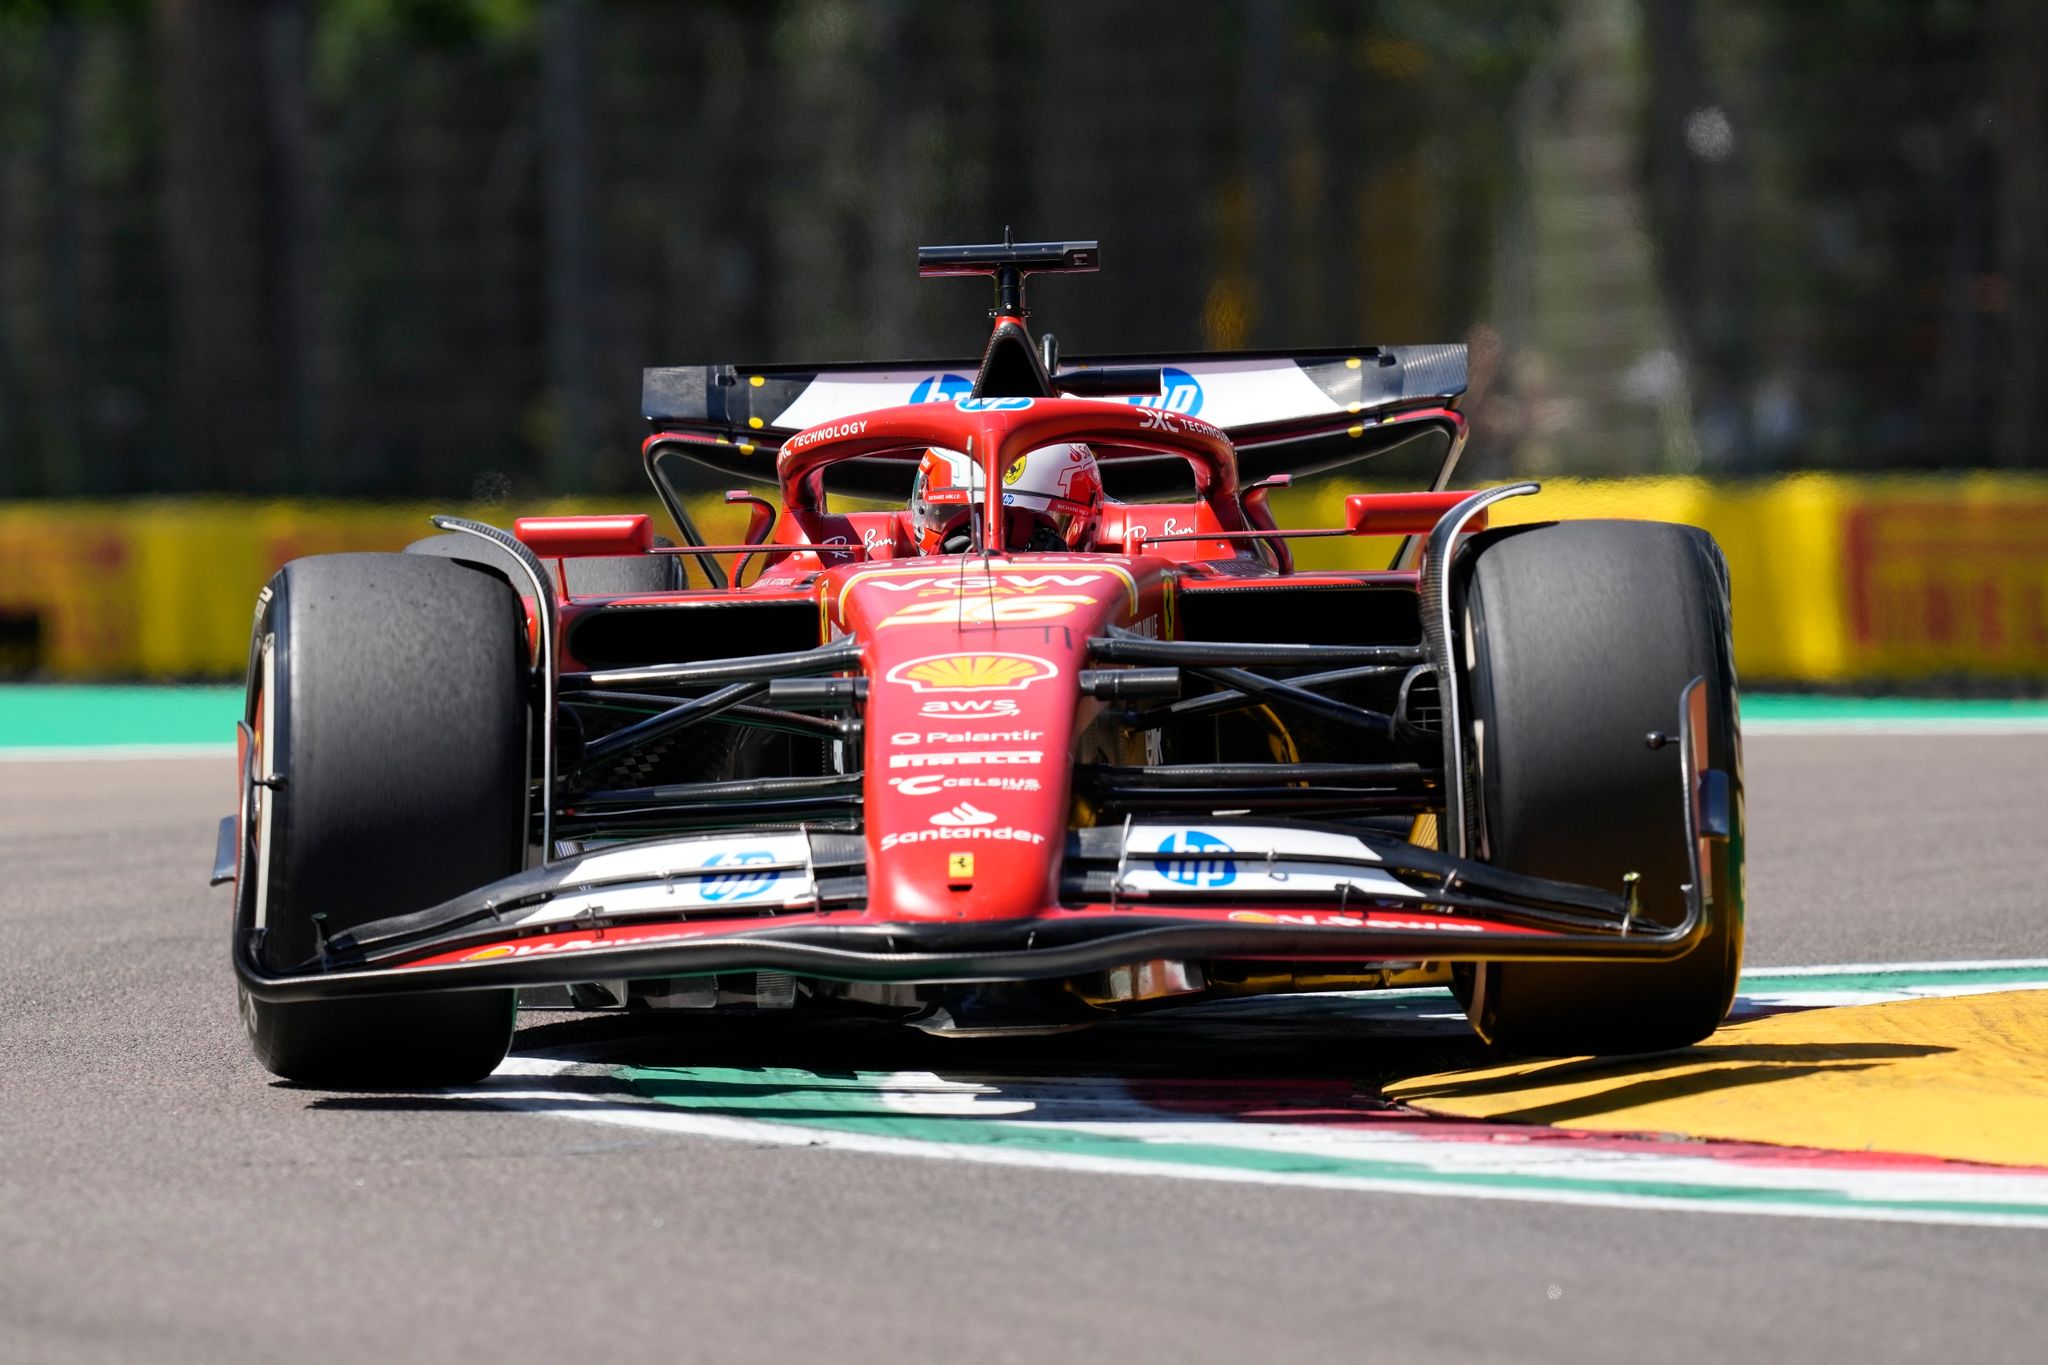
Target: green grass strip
[1783, 708]
[1764, 983]
[37, 717]
[68, 716]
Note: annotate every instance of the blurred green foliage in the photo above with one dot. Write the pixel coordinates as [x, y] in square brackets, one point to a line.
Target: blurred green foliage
[423, 246]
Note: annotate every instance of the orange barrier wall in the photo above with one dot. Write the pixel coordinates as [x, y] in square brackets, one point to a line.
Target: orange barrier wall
[1836, 579]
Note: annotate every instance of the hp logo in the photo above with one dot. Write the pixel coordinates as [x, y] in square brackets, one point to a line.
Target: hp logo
[1180, 392]
[737, 885]
[941, 388]
[1209, 866]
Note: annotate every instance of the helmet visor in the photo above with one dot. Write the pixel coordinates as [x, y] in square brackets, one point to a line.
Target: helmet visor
[1028, 528]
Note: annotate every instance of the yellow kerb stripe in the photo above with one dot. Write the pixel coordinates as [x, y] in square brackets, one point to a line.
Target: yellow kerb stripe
[1963, 1078]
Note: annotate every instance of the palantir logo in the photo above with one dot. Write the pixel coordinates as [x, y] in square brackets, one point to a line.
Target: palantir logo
[737, 885]
[1211, 867]
[941, 388]
[1179, 392]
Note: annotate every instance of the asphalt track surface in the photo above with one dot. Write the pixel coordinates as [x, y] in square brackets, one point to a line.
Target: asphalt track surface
[161, 1199]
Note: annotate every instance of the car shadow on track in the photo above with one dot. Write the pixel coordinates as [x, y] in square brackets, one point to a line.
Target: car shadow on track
[1306, 1039]
[1322, 1041]
[1314, 1066]
[1305, 1059]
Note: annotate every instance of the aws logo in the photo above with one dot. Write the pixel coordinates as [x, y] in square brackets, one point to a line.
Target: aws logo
[969, 708]
[1179, 392]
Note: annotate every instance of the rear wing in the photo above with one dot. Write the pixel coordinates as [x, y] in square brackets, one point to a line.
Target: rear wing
[1285, 412]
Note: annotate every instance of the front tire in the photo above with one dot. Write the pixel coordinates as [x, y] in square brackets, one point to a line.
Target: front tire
[1581, 637]
[388, 693]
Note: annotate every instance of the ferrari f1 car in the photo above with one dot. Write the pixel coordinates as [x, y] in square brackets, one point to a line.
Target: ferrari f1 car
[1055, 738]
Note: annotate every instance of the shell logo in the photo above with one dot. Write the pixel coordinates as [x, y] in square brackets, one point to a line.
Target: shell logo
[972, 672]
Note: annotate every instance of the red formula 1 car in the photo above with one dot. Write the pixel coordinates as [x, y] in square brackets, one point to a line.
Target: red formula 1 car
[1061, 734]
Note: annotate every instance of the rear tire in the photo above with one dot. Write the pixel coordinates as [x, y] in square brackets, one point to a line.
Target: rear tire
[1581, 638]
[389, 693]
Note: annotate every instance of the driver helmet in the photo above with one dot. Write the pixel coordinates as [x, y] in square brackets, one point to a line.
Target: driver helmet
[1052, 497]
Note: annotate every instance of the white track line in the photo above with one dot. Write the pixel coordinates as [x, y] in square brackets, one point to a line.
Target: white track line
[1872, 968]
[95, 753]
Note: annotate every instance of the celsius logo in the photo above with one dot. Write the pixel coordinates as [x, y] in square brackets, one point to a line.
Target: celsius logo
[1210, 867]
[739, 883]
[941, 388]
[1179, 392]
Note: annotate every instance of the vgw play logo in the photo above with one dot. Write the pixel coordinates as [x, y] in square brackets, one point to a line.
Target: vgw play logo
[941, 388]
[1179, 392]
[1208, 863]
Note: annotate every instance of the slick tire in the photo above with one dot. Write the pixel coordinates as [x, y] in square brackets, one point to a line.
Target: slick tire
[388, 694]
[1581, 636]
[599, 576]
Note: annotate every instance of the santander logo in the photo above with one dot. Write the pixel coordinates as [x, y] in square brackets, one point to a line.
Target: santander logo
[963, 815]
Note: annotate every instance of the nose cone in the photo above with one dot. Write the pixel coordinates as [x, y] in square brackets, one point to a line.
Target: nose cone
[970, 721]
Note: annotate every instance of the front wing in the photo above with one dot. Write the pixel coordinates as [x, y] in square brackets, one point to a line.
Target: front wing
[793, 902]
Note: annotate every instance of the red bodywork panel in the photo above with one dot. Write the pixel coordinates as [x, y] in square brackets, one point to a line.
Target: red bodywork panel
[1404, 514]
[582, 537]
[973, 715]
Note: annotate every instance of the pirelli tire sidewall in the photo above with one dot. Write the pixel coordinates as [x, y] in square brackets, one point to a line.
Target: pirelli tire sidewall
[1577, 640]
[389, 696]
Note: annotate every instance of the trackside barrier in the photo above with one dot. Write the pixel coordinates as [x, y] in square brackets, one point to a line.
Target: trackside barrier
[1836, 579]
[165, 589]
